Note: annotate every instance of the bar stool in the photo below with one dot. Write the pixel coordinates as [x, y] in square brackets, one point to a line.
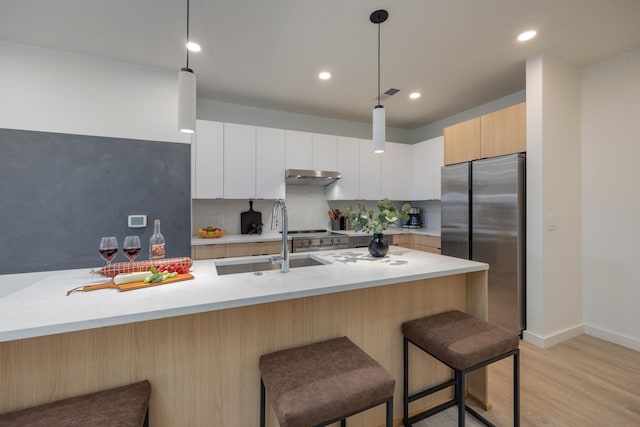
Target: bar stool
[464, 343]
[126, 406]
[322, 383]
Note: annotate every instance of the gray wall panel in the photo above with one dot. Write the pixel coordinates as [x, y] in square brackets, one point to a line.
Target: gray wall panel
[60, 193]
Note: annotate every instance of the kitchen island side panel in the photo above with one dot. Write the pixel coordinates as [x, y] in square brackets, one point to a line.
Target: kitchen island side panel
[203, 367]
[60, 193]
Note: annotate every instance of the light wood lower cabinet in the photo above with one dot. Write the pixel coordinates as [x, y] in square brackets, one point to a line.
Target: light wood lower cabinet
[208, 251]
[254, 248]
[236, 249]
[418, 242]
[426, 243]
[403, 240]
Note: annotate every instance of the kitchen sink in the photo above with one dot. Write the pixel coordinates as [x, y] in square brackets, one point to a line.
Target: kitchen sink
[226, 267]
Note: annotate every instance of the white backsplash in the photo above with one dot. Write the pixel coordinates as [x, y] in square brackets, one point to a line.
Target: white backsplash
[307, 207]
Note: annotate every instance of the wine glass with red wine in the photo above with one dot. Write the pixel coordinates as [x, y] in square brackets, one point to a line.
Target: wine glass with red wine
[131, 247]
[108, 248]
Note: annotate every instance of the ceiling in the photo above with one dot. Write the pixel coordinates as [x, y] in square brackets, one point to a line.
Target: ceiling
[458, 53]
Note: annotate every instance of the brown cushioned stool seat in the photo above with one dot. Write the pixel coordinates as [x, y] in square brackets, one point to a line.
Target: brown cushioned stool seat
[118, 407]
[464, 343]
[324, 382]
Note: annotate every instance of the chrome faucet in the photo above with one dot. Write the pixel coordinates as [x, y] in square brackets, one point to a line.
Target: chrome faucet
[283, 258]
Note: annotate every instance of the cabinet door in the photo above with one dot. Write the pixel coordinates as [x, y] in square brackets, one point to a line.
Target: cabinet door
[462, 142]
[299, 150]
[207, 160]
[239, 161]
[503, 132]
[421, 170]
[394, 174]
[369, 171]
[270, 160]
[348, 187]
[436, 150]
[324, 152]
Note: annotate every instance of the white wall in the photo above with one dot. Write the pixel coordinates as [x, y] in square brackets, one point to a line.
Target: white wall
[56, 91]
[554, 245]
[611, 198]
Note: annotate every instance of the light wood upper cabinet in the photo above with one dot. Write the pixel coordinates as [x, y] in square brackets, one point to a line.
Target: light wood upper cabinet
[462, 142]
[491, 135]
[503, 132]
[207, 160]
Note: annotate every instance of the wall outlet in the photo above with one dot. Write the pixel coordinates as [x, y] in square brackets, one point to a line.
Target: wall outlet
[220, 219]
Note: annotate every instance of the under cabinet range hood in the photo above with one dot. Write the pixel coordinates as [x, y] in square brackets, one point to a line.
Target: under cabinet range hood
[311, 177]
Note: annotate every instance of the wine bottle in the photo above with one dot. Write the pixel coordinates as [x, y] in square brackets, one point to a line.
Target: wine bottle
[156, 242]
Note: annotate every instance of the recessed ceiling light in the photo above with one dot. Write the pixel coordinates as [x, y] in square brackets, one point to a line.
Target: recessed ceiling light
[325, 75]
[527, 35]
[193, 47]
[414, 95]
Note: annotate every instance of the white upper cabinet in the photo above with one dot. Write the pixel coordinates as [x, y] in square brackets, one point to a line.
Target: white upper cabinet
[299, 150]
[394, 172]
[239, 161]
[347, 163]
[324, 155]
[270, 163]
[437, 151]
[207, 160]
[369, 171]
[425, 160]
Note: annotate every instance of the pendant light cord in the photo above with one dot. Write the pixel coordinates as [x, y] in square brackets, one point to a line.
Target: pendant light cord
[188, 33]
[378, 64]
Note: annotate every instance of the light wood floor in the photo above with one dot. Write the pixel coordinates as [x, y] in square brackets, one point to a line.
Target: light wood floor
[581, 382]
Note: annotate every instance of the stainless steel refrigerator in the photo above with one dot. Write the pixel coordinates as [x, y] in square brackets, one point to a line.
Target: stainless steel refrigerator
[483, 219]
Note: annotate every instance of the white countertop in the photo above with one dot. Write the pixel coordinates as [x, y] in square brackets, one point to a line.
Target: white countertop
[35, 304]
[271, 236]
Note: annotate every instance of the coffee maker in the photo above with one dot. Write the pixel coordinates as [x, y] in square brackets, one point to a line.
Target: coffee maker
[415, 218]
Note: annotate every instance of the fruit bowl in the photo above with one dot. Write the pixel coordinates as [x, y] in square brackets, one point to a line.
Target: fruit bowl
[214, 234]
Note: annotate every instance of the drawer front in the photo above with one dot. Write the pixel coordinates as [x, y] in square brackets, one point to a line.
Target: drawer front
[208, 251]
[432, 241]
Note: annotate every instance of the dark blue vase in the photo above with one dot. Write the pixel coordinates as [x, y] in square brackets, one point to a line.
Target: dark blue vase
[378, 246]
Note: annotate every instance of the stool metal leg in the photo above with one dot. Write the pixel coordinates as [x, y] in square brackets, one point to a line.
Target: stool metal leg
[343, 422]
[460, 398]
[262, 404]
[516, 388]
[390, 412]
[405, 398]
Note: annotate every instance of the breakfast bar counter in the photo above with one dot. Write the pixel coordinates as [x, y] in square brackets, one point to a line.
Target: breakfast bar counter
[198, 341]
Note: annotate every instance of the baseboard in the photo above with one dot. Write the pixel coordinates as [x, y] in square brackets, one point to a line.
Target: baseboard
[613, 337]
[553, 339]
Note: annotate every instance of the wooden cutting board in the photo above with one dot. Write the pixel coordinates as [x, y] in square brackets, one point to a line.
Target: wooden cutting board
[249, 217]
[131, 286]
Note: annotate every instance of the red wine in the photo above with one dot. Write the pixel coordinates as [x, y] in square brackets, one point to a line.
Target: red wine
[108, 253]
[131, 253]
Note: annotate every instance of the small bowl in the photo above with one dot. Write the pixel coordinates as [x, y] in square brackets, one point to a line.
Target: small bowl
[212, 234]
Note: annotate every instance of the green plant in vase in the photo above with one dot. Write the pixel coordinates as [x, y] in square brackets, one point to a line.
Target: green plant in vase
[370, 222]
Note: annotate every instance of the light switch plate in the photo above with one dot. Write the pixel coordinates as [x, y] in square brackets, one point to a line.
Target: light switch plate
[137, 221]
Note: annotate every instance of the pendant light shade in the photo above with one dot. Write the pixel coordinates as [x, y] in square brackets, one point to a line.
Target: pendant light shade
[379, 136]
[187, 93]
[379, 126]
[186, 100]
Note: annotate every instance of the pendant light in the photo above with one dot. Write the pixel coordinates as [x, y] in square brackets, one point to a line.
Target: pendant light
[379, 137]
[187, 93]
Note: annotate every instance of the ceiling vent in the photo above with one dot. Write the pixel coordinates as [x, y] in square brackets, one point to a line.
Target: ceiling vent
[390, 92]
